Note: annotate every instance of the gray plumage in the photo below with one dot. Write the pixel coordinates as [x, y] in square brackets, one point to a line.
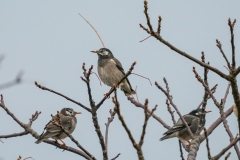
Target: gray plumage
[68, 121]
[110, 71]
[179, 130]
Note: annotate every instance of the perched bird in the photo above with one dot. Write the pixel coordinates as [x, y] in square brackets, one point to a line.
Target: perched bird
[111, 71]
[66, 118]
[180, 131]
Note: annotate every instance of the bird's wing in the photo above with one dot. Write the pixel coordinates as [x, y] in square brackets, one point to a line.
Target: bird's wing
[119, 66]
[179, 125]
[66, 122]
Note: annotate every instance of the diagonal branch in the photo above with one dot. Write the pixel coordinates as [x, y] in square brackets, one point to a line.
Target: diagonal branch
[113, 88]
[14, 135]
[219, 155]
[174, 106]
[137, 104]
[50, 90]
[135, 145]
[207, 144]
[158, 37]
[219, 45]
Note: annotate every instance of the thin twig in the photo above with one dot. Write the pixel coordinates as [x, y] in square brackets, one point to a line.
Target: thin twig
[50, 90]
[116, 156]
[219, 155]
[137, 104]
[207, 144]
[17, 80]
[231, 26]
[110, 119]
[219, 45]
[93, 29]
[158, 37]
[174, 106]
[28, 129]
[145, 39]
[143, 77]
[135, 145]
[228, 155]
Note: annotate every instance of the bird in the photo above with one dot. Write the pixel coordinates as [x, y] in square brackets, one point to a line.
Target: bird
[179, 130]
[66, 118]
[110, 71]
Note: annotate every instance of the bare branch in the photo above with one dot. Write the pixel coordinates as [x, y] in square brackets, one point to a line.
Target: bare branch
[143, 77]
[145, 39]
[94, 30]
[228, 155]
[50, 90]
[14, 135]
[110, 119]
[147, 116]
[158, 37]
[116, 156]
[231, 26]
[226, 149]
[17, 80]
[137, 104]
[207, 144]
[28, 129]
[219, 45]
[174, 106]
[135, 145]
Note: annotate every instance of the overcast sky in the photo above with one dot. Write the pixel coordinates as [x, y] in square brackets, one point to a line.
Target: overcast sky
[49, 41]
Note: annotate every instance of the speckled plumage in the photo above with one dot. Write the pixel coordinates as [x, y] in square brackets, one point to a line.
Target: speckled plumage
[179, 130]
[110, 71]
[68, 121]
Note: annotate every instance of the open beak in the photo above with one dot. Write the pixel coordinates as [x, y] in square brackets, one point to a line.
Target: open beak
[207, 111]
[95, 51]
[77, 112]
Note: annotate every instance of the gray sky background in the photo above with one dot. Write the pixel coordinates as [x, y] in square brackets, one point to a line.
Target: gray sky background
[49, 41]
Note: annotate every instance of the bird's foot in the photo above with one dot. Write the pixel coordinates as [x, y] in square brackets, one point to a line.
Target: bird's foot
[189, 144]
[63, 143]
[107, 95]
[116, 85]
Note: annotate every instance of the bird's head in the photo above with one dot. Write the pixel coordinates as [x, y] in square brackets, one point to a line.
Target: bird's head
[199, 112]
[69, 112]
[103, 53]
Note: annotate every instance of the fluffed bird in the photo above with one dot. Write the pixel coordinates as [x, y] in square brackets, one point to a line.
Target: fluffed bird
[66, 118]
[180, 131]
[110, 71]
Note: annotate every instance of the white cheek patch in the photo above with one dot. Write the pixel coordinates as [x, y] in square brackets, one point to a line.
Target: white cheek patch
[68, 113]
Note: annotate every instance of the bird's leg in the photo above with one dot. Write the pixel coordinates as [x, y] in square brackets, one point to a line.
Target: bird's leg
[116, 85]
[64, 144]
[189, 143]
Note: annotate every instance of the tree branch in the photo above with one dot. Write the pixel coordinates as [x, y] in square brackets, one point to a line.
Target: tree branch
[226, 149]
[110, 119]
[50, 90]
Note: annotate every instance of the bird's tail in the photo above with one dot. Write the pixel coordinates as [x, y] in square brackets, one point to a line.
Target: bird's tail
[164, 137]
[40, 139]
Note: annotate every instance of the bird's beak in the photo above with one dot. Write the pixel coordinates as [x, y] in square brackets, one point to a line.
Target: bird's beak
[207, 111]
[95, 51]
[77, 112]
